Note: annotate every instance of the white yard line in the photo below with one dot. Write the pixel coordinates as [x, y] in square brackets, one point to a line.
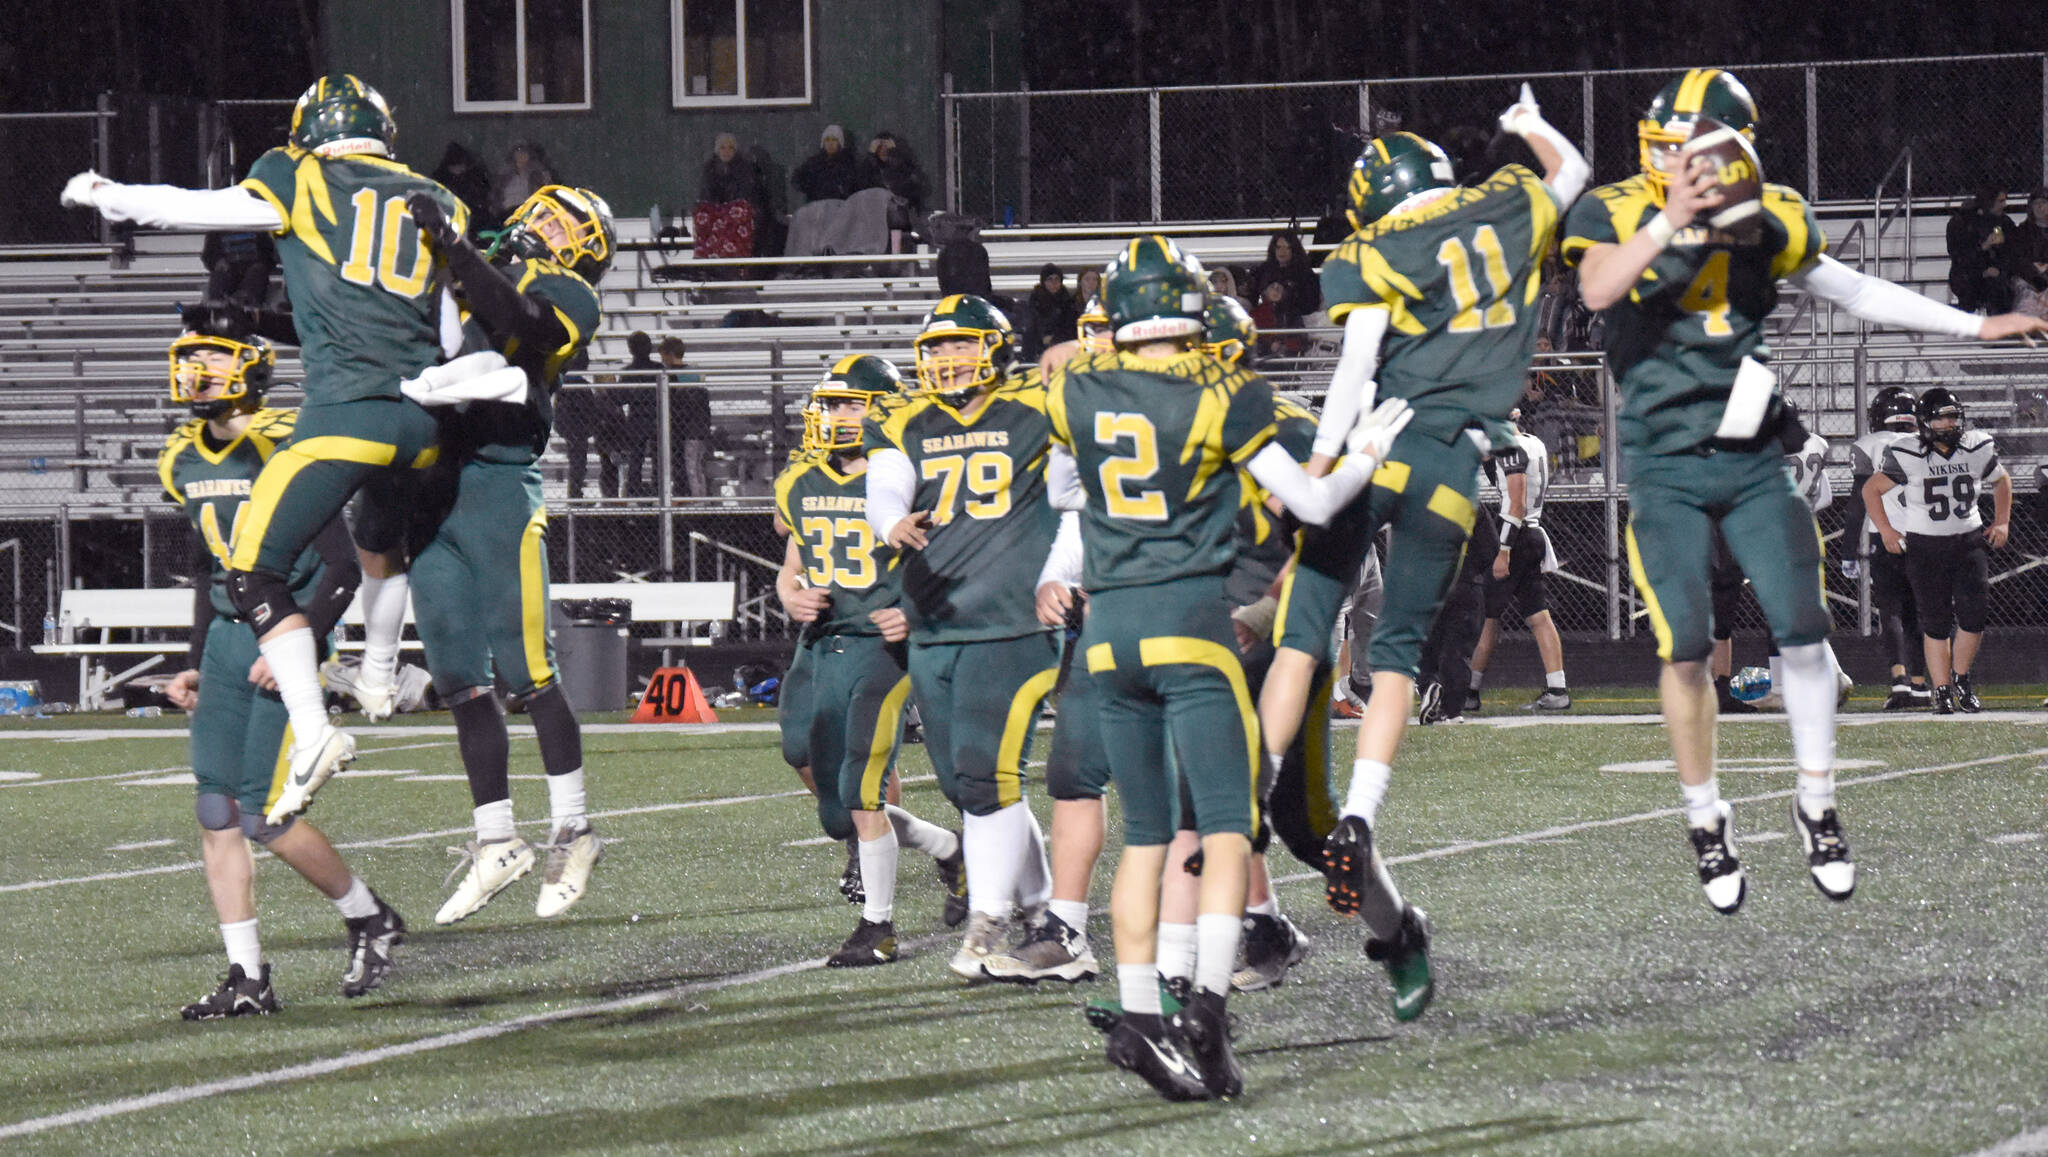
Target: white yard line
[359, 1059]
[2034, 1143]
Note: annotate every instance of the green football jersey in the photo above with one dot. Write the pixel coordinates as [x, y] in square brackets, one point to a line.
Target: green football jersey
[499, 431]
[1159, 443]
[1266, 542]
[1459, 277]
[827, 511]
[1675, 342]
[983, 479]
[212, 485]
[365, 291]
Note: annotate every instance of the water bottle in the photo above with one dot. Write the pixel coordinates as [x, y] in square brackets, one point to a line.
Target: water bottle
[49, 630]
[145, 712]
[64, 628]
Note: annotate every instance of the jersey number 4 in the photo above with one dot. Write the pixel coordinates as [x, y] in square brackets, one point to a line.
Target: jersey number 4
[1457, 262]
[858, 573]
[380, 233]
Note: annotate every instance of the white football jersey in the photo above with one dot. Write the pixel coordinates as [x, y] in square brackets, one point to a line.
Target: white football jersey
[1810, 474]
[1942, 489]
[1532, 461]
[1866, 457]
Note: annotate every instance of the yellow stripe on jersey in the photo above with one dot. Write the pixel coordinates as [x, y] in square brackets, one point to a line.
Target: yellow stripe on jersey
[284, 216]
[1802, 244]
[167, 463]
[1392, 476]
[1167, 650]
[1010, 752]
[888, 727]
[310, 194]
[533, 599]
[1658, 623]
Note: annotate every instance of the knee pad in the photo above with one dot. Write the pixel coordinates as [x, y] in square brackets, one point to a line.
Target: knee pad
[261, 599]
[217, 812]
[262, 831]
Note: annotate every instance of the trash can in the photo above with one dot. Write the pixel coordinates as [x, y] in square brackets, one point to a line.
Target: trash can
[591, 637]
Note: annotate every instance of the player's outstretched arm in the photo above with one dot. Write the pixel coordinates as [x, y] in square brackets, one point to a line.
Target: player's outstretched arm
[1564, 168]
[1881, 302]
[1608, 271]
[485, 287]
[1351, 387]
[1317, 500]
[170, 207]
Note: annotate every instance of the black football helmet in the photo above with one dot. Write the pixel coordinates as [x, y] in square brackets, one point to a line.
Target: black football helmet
[1891, 408]
[1937, 404]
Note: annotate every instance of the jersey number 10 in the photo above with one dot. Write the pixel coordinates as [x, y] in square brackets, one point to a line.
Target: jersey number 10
[368, 234]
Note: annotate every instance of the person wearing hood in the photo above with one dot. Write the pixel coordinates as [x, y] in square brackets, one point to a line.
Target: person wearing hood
[831, 173]
[1051, 314]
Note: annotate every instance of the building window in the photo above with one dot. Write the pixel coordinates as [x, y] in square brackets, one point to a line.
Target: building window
[521, 54]
[729, 52]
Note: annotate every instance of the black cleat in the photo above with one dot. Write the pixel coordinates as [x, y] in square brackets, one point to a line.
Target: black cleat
[1406, 958]
[238, 995]
[1730, 705]
[1430, 708]
[1944, 700]
[1149, 1046]
[1347, 860]
[871, 943]
[1720, 872]
[370, 941]
[1472, 699]
[850, 885]
[1272, 946]
[1827, 853]
[1206, 1025]
[953, 875]
[1902, 698]
[1966, 695]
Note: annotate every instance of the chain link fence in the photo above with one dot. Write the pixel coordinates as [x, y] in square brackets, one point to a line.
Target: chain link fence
[1279, 151]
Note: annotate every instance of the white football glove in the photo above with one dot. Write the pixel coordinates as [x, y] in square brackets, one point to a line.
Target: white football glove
[77, 192]
[1523, 115]
[1374, 434]
[477, 377]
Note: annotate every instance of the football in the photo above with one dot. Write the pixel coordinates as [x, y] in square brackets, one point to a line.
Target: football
[1736, 168]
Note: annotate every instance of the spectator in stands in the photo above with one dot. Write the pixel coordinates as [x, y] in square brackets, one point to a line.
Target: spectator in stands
[1976, 253]
[689, 423]
[1287, 263]
[2026, 256]
[1051, 314]
[889, 164]
[526, 169]
[238, 267]
[1088, 286]
[583, 413]
[830, 174]
[728, 203]
[466, 176]
[728, 176]
[623, 446]
[1275, 311]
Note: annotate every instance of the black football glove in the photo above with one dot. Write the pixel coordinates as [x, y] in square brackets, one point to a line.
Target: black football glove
[433, 222]
[217, 319]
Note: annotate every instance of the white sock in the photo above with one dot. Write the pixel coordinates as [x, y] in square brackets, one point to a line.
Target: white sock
[494, 821]
[1809, 690]
[993, 861]
[1369, 779]
[383, 624]
[1554, 680]
[357, 902]
[1270, 906]
[1478, 677]
[1176, 951]
[1816, 793]
[243, 946]
[1701, 800]
[293, 665]
[878, 877]
[1216, 937]
[1137, 987]
[1072, 913]
[1034, 876]
[565, 799]
[921, 835]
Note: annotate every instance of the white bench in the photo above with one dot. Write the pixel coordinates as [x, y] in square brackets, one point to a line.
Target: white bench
[170, 608]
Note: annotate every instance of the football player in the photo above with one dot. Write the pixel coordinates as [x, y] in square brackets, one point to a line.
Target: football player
[1890, 417]
[1447, 275]
[239, 728]
[1524, 556]
[1155, 433]
[845, 588]
[477, 611]
[956, 485]
[370, 309]
[1942, 536]
[1702, 437]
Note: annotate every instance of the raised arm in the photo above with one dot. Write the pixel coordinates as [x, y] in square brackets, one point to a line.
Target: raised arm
[1879, 301]
[1564, 168]
[170, 207]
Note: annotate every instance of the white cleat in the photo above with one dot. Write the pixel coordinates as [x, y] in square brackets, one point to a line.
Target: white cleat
[312, 764]
[377, 701]
[492, 868]
[984, 937]
[566, 875]
[1721, 875]
[1827, 853]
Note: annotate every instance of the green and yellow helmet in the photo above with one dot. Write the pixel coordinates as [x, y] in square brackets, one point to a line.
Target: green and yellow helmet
[1677, 109]
[1154, 290]
[862, 378]
[241, 367]
[1392, 169]
[963, 316]
[1232, 332]
[571, 227]
[340, 115]
[1092, 330]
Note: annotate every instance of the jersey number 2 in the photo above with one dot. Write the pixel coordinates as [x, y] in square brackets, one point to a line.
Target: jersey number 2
[1500, 312]
[368, 234]
[1118, 473]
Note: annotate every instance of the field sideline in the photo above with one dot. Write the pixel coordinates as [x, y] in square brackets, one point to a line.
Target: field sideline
[1589, 1001]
